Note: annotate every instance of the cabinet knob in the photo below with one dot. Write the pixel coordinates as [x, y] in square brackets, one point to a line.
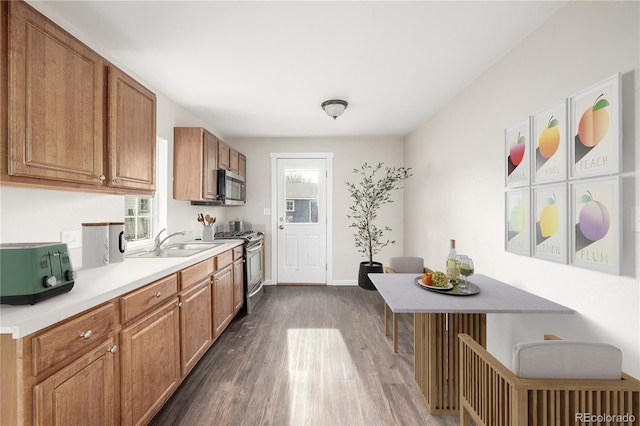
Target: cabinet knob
[112, 349]
[117, 180]
[179, 304]
[101, 177]
[158, 294]
[86, 334]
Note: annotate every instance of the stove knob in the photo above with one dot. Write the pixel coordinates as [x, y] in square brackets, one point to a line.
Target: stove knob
[50, 281]
[70, 275]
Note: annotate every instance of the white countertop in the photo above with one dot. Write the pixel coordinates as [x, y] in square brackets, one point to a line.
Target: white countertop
[95, 286]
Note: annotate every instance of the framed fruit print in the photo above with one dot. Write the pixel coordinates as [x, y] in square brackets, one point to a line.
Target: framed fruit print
[549, 144]
[595, 123]
[550, 217]
[595, 224]
[517, 145]
[518, 221]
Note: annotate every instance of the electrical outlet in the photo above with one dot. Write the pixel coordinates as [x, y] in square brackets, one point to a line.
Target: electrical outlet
[71, 238]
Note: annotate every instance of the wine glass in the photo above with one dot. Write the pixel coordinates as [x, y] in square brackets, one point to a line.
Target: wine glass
[465, 266]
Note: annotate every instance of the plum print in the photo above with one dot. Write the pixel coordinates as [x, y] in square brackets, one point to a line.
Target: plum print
[594, 219]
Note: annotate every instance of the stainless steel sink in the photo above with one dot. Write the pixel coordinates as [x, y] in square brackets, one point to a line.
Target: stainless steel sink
[166, 253]
[193, 246]
[178, 250]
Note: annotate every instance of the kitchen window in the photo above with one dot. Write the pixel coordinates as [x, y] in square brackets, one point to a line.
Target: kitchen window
[145, 216]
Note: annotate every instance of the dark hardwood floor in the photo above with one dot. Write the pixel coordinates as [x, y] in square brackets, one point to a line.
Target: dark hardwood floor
[307, 356]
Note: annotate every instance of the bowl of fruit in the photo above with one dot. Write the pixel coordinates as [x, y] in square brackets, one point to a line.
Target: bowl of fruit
[434, 280]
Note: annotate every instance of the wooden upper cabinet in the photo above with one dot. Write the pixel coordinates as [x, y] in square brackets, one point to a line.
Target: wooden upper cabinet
[234, 158]
[223, 156]
[242, 166]
[132, 133]
[195, 163]
[56, 98]
[210, 167]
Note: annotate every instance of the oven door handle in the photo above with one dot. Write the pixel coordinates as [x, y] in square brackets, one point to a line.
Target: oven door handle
[255, 248]
[254, 292]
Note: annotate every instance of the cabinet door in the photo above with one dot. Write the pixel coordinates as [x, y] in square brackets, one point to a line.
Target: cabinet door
[150, 363]
[132, 133]
[82, 393]
[223, 155]
[210, 167]
[242, 171]
[222, 299]
[55, 114]
[233, 161]
[195, 324]
[238, 285]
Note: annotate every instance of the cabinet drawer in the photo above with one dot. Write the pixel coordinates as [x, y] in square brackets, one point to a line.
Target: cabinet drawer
[149, 296]
[195, 273]
[237, 252]
[63, 342]
[224, 259]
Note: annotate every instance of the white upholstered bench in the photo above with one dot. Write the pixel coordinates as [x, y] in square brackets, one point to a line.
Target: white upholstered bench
[553, 382]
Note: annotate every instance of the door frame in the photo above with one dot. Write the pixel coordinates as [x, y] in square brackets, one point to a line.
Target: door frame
[328, 156]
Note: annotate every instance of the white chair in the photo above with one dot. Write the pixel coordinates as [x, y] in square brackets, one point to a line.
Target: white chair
[400, 265]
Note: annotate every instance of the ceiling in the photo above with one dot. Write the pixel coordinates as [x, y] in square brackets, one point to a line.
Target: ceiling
[262, 69]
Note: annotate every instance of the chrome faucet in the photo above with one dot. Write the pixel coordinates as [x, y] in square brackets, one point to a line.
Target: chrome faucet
[158, 242]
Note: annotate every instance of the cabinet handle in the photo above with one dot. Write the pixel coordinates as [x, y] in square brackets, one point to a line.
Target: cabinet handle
[86, 334]
[101, 177]
[158, 294]
[112, 349]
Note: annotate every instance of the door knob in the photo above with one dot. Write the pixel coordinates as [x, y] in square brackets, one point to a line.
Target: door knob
[281, 226]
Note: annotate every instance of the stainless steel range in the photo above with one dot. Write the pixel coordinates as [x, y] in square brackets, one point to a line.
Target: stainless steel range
[253, 267]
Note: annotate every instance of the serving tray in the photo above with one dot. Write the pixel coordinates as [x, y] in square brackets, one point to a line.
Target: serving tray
[455, 291]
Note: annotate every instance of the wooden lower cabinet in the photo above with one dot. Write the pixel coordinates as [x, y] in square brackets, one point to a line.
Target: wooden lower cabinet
[149, 363]
[118, 363]
[195, 323]
[222, 299]
[238, 285]
[83, 393]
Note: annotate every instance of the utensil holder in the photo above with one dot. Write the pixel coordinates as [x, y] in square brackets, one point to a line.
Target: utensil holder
[207, 233]
[95, 245]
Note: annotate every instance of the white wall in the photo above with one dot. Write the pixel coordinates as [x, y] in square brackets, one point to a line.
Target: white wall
[458, 190]
[349, 153]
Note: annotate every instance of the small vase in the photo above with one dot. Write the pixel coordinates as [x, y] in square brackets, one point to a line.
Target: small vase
[367, 268]
[207, 233]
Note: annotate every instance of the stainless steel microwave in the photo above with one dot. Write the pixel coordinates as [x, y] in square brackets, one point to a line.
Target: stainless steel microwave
[230, 188]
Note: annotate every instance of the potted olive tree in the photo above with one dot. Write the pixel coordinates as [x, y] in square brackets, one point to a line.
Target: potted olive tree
[372, 192]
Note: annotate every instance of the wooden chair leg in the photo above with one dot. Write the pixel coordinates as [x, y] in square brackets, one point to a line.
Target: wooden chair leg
[386, 319]
[395, 333]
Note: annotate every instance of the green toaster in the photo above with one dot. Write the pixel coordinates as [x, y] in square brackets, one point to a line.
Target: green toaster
[32, 272]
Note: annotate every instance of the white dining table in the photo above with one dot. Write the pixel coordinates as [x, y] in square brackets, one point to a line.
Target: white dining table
[439, 318]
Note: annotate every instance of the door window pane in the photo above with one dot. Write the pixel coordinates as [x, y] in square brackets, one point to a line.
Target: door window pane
[301, 195]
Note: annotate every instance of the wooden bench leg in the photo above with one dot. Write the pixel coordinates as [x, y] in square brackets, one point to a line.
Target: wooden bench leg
[395, 333]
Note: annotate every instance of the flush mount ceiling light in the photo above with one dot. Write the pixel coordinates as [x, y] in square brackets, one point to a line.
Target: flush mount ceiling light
[334, 107]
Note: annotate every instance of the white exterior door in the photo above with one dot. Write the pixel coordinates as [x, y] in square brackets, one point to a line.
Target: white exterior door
[302, 220]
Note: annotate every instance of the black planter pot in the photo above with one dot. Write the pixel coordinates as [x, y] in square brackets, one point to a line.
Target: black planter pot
[366, 268]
